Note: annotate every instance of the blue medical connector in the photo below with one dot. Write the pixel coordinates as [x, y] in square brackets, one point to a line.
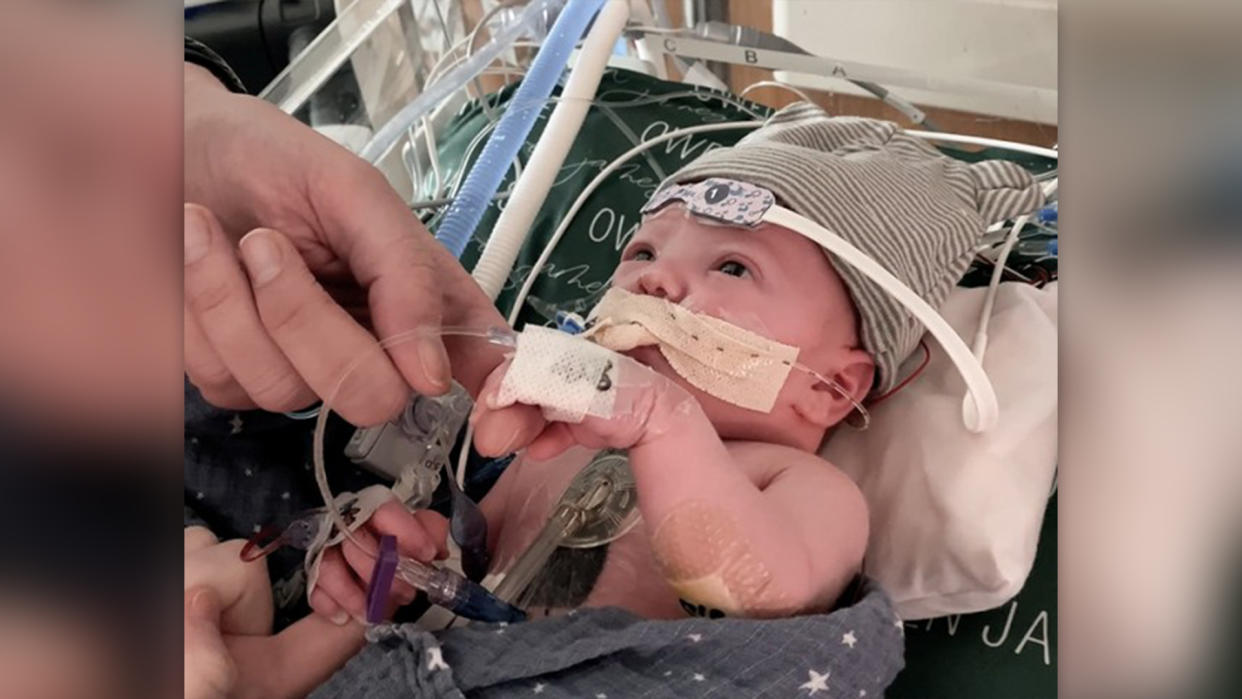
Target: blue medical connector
[1048, 214]
[571, 323]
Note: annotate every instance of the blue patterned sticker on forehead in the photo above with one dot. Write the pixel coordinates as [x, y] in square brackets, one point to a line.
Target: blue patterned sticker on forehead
[717, 198]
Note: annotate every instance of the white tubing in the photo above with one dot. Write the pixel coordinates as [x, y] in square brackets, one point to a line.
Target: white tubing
[989, 142]
[979, 414]
[545, 162]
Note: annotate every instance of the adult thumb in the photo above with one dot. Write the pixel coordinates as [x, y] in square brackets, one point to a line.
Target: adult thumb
[209, 669]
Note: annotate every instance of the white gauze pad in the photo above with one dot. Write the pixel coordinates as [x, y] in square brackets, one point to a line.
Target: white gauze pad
[564, 374]
[715, 356]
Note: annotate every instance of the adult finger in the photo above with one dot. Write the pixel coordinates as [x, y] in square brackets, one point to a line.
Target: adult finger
[362, 562]
[412, 539]
[324, 605]
[437, 527]
[209, 669]
[327, 346]
[198, 538]
[218, 296]
[295, 661]
[336, 581]
[207, 371]
[393, 256]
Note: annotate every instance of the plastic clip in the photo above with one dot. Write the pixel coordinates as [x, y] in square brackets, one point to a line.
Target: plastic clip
[381, 578]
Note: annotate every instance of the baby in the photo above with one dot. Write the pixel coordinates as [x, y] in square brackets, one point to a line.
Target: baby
[742, 344]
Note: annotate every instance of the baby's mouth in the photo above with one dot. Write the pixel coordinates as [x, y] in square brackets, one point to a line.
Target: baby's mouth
[650, 356]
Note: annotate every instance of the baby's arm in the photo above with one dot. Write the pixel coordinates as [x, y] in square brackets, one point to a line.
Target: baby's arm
[726, 537]
[747, 529]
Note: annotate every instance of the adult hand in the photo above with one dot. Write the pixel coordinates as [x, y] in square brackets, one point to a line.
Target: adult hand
[345, 570]
[230, 650]
[332, 259]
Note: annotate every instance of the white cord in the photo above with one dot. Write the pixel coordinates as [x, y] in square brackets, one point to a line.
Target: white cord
[594, 184]
[429, 136]
[775, 83]
[529, 192]
[985, 315]
[989, 301]
[989, 142]
[463, 458]
[979, 414]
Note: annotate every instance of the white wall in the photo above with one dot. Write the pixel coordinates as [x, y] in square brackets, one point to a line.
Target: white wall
[1009, 41]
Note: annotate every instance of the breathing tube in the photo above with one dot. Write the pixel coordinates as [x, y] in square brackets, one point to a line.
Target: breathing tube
[455, 79]
[489, 170]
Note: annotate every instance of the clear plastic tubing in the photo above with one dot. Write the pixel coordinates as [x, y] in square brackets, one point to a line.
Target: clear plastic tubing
[489, 170]
[454, 80]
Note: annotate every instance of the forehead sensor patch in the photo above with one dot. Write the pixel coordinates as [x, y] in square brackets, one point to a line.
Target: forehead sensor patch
[718, 199]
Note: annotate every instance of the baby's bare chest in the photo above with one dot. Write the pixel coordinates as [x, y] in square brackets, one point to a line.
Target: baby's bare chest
[603, 559]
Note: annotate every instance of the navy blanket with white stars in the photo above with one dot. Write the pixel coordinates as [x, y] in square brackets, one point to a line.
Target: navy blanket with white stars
[851, 653]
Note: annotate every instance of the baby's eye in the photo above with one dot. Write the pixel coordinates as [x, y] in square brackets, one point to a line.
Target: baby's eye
[640, 255]
[734, 269]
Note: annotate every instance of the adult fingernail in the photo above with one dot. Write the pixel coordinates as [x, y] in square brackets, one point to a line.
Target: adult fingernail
[435, 363]
[341, 618]
[197, 239]
[200, 603]
[262, 256]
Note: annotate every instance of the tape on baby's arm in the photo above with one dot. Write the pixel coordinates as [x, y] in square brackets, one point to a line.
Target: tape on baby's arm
[708, 560]
[567, 376]
[364, 504]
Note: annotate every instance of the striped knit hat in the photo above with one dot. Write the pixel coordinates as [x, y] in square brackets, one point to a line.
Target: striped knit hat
[916, 212]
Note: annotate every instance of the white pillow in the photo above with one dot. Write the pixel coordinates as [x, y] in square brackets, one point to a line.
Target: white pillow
[955, 517]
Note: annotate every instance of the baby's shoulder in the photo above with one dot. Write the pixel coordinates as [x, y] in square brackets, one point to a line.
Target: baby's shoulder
[765, 462]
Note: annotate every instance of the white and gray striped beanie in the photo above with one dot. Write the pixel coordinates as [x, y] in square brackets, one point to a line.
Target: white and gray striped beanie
[915, 211]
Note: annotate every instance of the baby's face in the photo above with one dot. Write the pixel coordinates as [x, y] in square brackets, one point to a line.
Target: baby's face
[769, 280]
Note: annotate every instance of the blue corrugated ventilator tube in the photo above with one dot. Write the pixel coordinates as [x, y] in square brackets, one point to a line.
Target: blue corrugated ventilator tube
[484, 178]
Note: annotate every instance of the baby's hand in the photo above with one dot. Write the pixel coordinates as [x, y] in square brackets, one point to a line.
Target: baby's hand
[645, 404]
[345, 571]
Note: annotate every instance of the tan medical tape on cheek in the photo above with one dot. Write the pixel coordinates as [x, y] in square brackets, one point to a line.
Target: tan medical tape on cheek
[707, 559]
[565, 375]
[717, 357]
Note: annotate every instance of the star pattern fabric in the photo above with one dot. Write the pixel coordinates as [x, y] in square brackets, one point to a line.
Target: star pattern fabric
[817, 683]
[855, 651]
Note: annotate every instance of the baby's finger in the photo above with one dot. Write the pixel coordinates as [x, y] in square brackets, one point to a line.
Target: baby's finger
[437, 527]
[412, 539]
[506, 430]
[327, 608]
[336, 580]
[363, 564]
[553, 442]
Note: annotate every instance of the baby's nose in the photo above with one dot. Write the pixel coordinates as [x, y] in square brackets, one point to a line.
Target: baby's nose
[661, 282]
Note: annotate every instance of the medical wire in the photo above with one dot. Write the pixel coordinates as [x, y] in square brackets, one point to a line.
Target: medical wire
[980, 344]
[774, 83]
[542, 261]
[567, 219]
[513, 226]
[612, 167]
[478, 138]
[500, 336]
[1050, 153]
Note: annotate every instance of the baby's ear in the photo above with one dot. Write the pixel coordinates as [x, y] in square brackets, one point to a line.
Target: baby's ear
[1004, 190]
[826, 405]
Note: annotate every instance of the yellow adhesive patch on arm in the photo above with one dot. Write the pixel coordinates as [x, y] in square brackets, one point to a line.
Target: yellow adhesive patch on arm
[708, 560]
